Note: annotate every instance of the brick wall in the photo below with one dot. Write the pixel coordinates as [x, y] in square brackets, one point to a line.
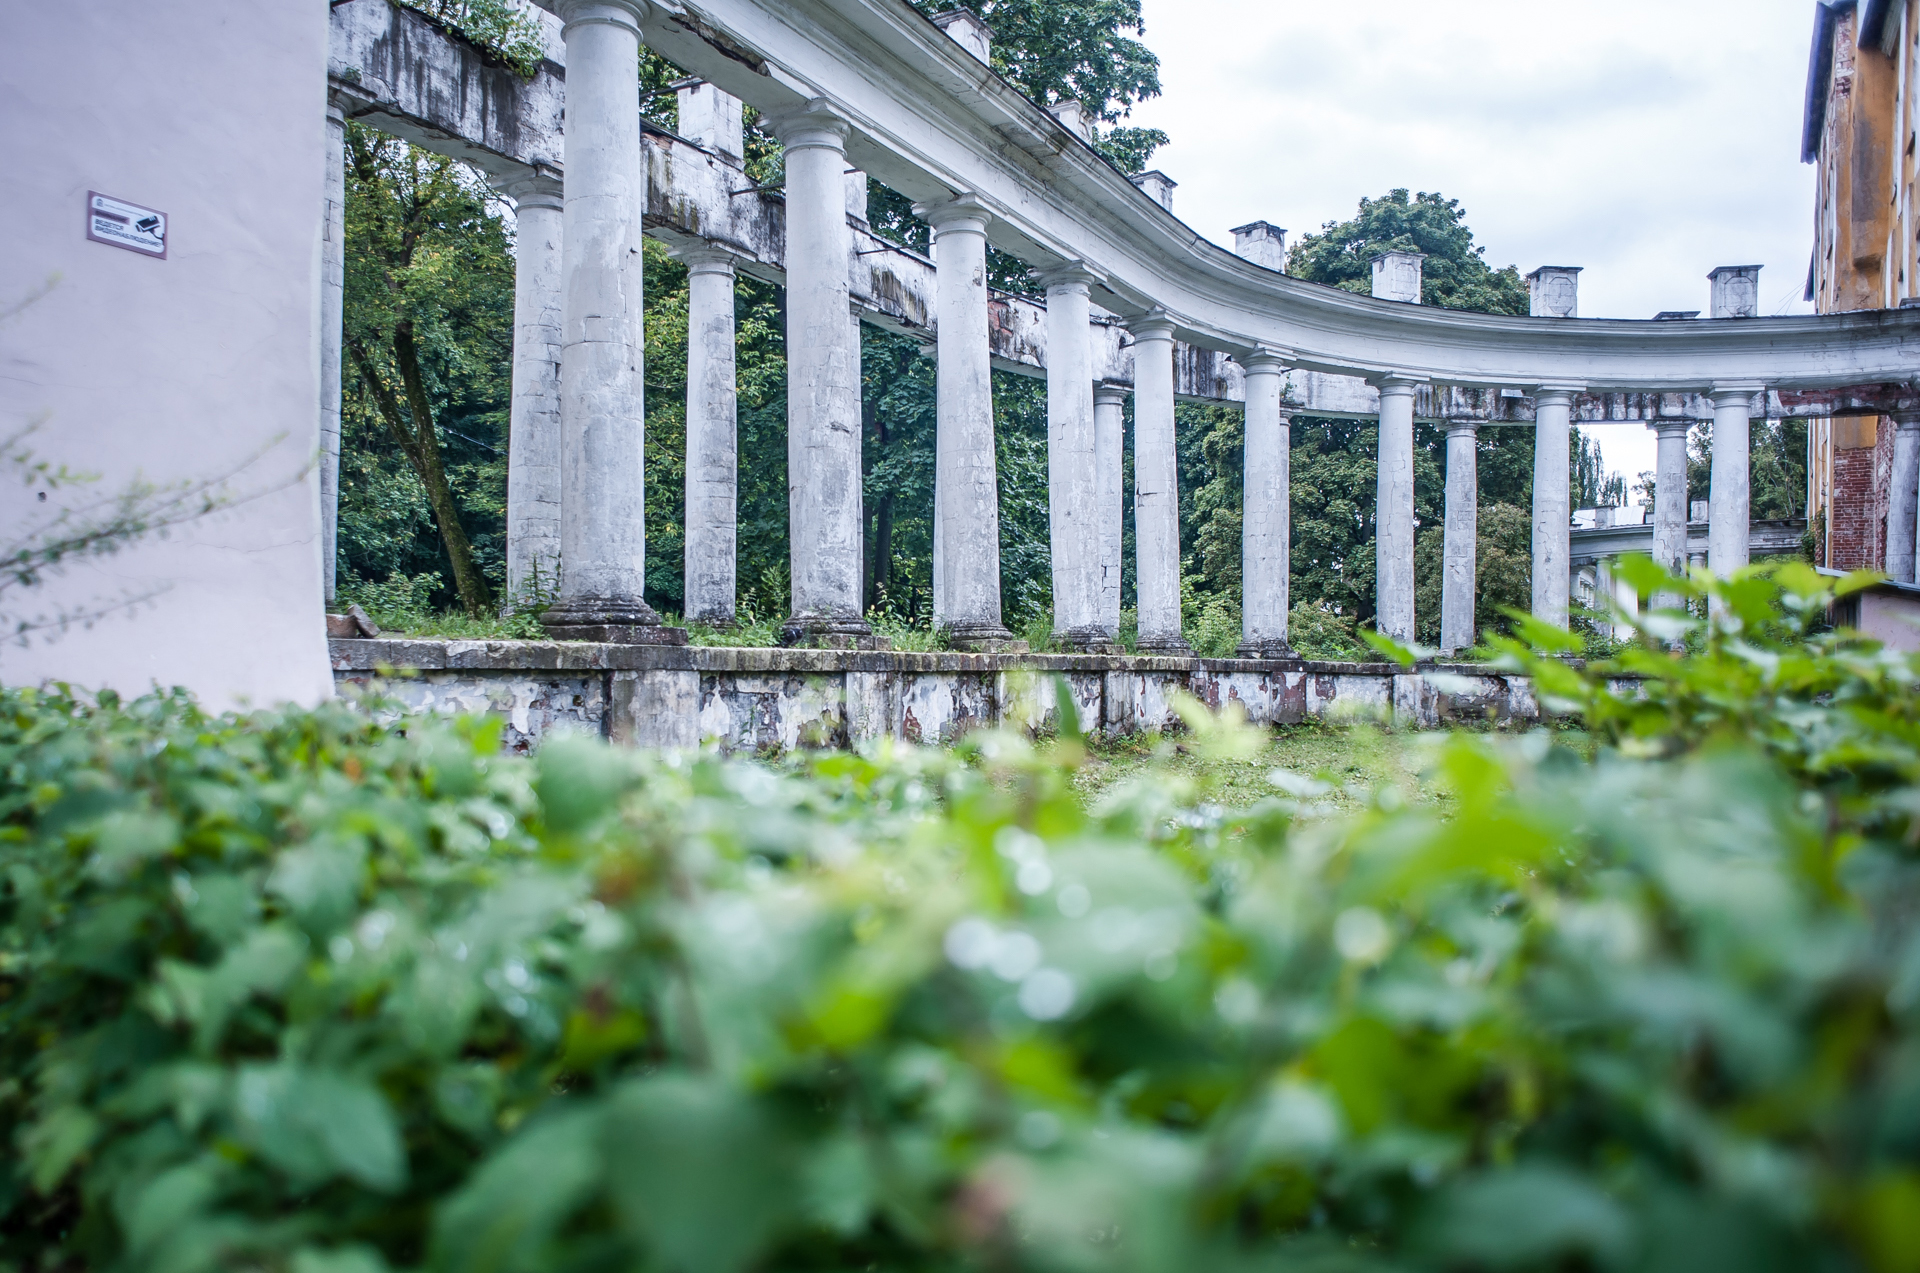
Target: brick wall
[1857, 526]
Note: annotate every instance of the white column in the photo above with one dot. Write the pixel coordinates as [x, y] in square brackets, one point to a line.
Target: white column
[1393, 510]
[603, 545]
[1552, 502]
[1903, 497]
[1460, 537]
[332, 312]
[1156, 490]
[1728, 492]
[1266, 510]
[534, 429]
[1109, 463]
[1670, 497]
[712, 437]
[966, 498]
[823, 385]
[1073, 472]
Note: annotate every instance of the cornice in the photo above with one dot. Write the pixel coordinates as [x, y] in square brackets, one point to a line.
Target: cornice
[930, 120]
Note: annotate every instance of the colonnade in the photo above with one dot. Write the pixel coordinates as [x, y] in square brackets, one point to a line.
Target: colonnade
[576, 484]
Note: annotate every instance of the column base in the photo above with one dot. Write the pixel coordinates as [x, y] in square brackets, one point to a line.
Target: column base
[622, 622]
[1088, 641]
[1271, 649]
[984, 638]
[1165, 643]
[831, 634]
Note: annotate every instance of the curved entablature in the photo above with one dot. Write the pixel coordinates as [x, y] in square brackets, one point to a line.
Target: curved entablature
[931, 121]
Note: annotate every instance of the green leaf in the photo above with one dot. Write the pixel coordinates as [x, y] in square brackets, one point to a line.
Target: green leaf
[1530, 1216]
[317, 1124]
[700, 1171]
[508, 1212]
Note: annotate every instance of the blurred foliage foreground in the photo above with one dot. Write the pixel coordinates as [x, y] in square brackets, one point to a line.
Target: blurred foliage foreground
[297, 991]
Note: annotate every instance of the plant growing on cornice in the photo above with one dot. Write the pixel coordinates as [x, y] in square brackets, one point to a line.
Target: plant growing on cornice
[1053, 50]
[496, 27]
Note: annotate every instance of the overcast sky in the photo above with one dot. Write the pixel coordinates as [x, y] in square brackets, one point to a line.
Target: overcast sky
[1646, 140]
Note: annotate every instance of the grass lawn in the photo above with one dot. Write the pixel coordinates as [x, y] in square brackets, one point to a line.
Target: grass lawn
[1352, 759]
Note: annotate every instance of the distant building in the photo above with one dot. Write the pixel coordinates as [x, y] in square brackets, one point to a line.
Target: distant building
[1860, 124]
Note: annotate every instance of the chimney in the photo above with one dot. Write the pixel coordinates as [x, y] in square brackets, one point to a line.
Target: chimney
[1073, 116]
[1396, 276]
[1554, 291]
[709, 117]
[1261, 243]
[1736, 291]
[966, 30]
[1158, 184]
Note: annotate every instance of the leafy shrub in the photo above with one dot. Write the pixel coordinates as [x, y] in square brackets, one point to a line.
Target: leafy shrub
[297, 991]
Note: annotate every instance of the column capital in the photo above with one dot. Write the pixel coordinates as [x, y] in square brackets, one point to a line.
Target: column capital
[1671, 424]
[813, 123]
[702, 257]
[621, 13]
[1397, 384]
[1463, 428]
[536, 188]
[1559, 395]
[1068, 274]
[1727, 395]
[1906, 421]
[1268, 360]
[1154, 325]
[965, 213]
[1110, 393]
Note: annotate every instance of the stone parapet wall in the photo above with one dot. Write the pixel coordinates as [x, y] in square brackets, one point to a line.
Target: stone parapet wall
[780, 699]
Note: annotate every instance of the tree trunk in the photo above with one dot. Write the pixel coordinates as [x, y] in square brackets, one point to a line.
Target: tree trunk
[421, 446]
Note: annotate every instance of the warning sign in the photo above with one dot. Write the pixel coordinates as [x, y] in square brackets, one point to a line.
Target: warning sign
[119, 224]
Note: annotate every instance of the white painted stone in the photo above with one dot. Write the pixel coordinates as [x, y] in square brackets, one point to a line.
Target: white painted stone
[1156, 490]
[534, 430]
[1109, 462]
[1261, 243]
[1729, 489]
[710, 117]
[603, 546]
[1552, 502]
[1460, 537]
[1266, 511]
[1396, 276]
[1393, 516]
[200, 367]
[1158, 185]
[712, 439]
[1073, 473]
[823, 389]
[1736, 291]
[1670, 499]
[967, 30]
[966, 485]
[1902, 494]
[333, 269]
[1553, 291]
[1072, 114]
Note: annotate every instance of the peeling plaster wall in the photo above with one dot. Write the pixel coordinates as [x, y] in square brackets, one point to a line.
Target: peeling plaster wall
[766, 700]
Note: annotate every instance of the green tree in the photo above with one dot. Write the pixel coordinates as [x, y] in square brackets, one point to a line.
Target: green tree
[1777, 467]
[428, 338]
[1589, 483]
[1455, 274]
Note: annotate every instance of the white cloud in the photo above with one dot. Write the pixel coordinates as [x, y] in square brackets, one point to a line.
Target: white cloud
[1646, 140]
